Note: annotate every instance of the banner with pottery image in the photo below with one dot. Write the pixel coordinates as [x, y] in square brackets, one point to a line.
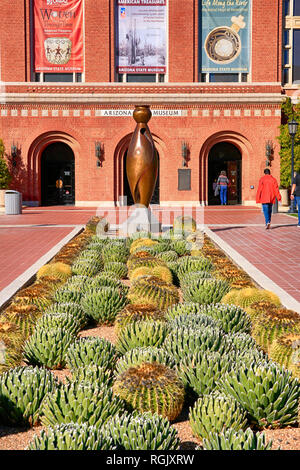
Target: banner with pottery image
[58, 35]
[225, 30]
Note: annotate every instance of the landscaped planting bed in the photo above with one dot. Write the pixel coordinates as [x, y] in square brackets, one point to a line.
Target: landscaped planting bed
[147, 343]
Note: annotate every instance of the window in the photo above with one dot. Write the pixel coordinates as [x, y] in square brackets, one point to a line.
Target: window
[59, 77]
[296, 7]
[296, 56]
[224, 77]
[140, 78]
[287, 7]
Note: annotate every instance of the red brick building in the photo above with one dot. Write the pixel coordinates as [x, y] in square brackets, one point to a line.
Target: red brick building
[77, 125]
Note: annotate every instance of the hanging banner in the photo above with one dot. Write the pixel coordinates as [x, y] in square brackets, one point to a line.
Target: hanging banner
[226, 36]
[141, 36]
[58, 35]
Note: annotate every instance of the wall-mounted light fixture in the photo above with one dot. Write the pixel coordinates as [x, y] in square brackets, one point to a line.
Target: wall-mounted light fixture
[269, 152]
[184, 153]
[99, 153]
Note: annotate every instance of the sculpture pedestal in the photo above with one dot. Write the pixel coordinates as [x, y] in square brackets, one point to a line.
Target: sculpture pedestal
[140, 220]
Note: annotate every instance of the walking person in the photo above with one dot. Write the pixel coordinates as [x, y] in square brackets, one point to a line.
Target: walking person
[295, 193]
[223, 183]
[266, 195]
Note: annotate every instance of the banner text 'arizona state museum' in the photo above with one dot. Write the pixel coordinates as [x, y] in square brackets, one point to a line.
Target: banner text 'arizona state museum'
[58, 36]
[225, 35]
[141, 36]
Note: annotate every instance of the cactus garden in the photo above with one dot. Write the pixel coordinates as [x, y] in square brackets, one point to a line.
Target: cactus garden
[147, 343]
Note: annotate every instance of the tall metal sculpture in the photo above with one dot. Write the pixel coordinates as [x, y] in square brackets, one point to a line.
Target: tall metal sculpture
[142, 160]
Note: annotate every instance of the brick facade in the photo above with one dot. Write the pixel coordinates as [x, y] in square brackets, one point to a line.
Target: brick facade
[37, 114]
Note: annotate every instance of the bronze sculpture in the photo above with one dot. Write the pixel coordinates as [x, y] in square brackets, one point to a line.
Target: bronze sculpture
[142, 161]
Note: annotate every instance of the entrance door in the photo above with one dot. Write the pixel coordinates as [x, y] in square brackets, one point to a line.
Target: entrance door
[58, 175]
[225, 156]
[126, 188]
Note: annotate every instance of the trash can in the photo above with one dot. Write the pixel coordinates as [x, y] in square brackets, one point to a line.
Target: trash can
[275, 207]
[13, 203]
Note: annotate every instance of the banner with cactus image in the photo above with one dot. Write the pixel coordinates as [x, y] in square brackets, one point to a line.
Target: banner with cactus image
[225, 36]
[141, 36]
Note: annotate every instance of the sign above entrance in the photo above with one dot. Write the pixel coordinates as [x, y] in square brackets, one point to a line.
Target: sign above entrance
[58, 36]
[129, 112]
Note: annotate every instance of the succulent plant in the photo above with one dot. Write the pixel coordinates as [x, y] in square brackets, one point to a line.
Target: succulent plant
[11, 340]
[283, 348]
[137, 356]
[152, 290]
[216, 413]
[232, 317]
[36, 294]
[107, 279]
[185, 308]
[66, 321]
[137, 312]
[191, 276]
[237, 440]
[181, 246]
[200, 371]
[22, 391]
[274, 324]
[249, 295]
[173, 267]
[168, 256]
[72, 308]
[257, 309]
[91, 350]
[144, 242]
[118, 269]
[71, 436]
[92, 374]
[267, 392]
[85, 267]
[80, 403]
[147, 261]
[78, 283]
[91, 256]
[102, 305]
[142, 334]
[151, 387]
[48, 347]
[145, 431]
[193, 321]
[115, 252]
[205, 291]
[65, 295]
[186, 341]
[60, 270]
[185, 223]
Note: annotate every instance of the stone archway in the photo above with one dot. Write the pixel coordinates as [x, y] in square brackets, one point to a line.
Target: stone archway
[35, 156]
[238, 140]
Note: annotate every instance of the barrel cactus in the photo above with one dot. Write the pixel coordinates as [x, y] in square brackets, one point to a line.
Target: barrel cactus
[144, 431]
[119, 270]
[283, 348]
[137, 312]
[92, 374]
[137, 356]
[237, 440]
[71, 308]
[216, 413]
[205, 291]
[247, 296]
[117, 252]
[151, 387]
[267, 392]
[48, 347]
[80, 403]
[103, 305]
[24, 316]
[61, 270]
[71, 436]
[22, 391]
[144, 242]
[142, 334]
[11, 341]
[91, 350]
[66, 321]
[232, 317]
[168, 256]
[185, 223]
[154, 291]
[148, 261]
[37, 294]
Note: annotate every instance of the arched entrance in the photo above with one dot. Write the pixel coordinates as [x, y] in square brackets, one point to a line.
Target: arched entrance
[225, 156]
[57, 175]
[126, 189]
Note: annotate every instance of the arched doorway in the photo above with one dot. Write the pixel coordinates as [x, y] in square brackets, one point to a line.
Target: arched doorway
[126, 190]
[57, 175]
[225, 156]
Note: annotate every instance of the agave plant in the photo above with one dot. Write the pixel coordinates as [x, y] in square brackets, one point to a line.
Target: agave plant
[107, 279]
[189, 277]
[137, 312]
[78, 283]
[92, 374]
[237, 440]
[48, 347]
[71, 436]
[185, 308]
[181, 246]
[142, 334]
[232, 318]
[80, 403]
[145, 431]
[137, 356]
[22, 391]
[216, 413]
[194, 321]
[188, 264]
[85, 267]
[205, 291]
[267, 392]
[117, 269]
[168, 256]
[71, 308]
[65, 295]
[103, 305]
[115, 252]
[66, 321]
[91, 350]
[151, 387]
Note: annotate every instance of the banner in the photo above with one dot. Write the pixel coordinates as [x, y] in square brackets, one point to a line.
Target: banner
[58, 35]
[226, 35]
[141, 36]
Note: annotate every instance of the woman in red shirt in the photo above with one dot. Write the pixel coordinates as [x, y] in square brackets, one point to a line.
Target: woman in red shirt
[267, 193]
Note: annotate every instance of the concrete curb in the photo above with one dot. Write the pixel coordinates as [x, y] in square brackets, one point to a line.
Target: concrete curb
[8, 292]
[261, 279]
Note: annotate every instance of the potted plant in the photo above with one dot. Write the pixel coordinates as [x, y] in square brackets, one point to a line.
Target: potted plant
[5, 176]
